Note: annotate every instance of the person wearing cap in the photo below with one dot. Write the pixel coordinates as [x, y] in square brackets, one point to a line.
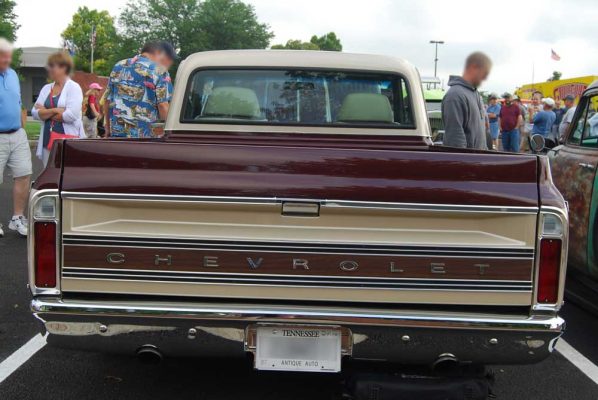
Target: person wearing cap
[510, 120]
[567, 116]
[493, 110]
[139, 92]
[523, 108]
[91, 110]
[544, 119]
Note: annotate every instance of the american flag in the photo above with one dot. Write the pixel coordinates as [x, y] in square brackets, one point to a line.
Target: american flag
[554, 56]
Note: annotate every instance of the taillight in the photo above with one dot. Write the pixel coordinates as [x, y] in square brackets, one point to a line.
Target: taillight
[549, 270]
[45, 254]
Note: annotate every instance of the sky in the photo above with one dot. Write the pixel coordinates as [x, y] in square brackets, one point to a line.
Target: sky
[517, 35]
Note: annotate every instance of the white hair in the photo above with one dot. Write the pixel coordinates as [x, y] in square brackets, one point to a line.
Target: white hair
[5, 46]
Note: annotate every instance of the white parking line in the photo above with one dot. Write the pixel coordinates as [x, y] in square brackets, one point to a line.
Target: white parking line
[36, 343]
[20, 357]
[579, 360]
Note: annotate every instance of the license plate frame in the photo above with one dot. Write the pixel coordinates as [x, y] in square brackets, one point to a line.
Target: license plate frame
[298, 348]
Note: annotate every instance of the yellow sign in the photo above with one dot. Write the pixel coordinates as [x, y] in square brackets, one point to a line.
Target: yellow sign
[558, 90]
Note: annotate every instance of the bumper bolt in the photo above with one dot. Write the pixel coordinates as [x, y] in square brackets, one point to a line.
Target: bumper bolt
[103, 329]
[493, 341]
[405, 338]
[192, 334]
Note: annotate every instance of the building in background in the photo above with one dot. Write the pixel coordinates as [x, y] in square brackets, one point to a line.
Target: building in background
[33, 72]
[34, 75]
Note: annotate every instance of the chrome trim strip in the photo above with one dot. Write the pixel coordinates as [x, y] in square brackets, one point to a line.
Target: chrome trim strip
[249, 274]
[322, 202]
[420, 289]
[365, 283]
[308, 248]
[297, 314]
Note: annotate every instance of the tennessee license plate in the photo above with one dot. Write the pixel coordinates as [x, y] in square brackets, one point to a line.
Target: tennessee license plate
[298, 349]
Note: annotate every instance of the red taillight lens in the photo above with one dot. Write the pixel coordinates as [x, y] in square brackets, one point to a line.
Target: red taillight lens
[550, 266]
[45, 254]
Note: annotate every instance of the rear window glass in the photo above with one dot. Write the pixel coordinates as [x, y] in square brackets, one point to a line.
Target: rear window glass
[297, 97]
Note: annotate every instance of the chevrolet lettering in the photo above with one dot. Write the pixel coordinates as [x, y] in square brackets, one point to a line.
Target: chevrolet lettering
[296, 211]
[346, 265]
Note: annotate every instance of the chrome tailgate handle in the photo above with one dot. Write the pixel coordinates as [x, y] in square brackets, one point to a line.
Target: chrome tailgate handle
[296, 209]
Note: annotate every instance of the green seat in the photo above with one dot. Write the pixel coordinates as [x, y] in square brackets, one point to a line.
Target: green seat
[366, 107]
[233, 102]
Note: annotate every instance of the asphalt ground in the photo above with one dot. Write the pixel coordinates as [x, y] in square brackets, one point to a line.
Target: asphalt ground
[60, 374]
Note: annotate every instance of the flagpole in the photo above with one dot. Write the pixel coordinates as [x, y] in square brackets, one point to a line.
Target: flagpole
[93, 28]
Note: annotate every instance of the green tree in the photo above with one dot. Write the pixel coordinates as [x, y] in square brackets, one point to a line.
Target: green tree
[556, 76]
[8, 20]
[79, 32]
[9, 27]
[193, 25]
[296, 45]
[328, 42]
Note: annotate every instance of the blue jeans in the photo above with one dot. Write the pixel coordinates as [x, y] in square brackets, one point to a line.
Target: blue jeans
[510, 140]
[494, 130]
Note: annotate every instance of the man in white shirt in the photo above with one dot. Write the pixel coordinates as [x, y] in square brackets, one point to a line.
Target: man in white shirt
[568, 116]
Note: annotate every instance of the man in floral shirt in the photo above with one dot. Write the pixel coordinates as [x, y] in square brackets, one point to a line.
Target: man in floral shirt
[139, 92]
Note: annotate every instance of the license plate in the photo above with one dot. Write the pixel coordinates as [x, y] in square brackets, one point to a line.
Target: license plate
[298, 349]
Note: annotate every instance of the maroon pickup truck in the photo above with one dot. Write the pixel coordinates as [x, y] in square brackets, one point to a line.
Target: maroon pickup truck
[297, 211]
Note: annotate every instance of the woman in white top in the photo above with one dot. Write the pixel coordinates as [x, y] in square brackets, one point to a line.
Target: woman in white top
[58, 106]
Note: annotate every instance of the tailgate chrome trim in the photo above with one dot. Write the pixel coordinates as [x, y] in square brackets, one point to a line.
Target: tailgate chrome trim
[321, 202]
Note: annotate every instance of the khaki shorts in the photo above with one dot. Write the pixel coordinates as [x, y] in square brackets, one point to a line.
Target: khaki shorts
[15, 153]
[91, 127]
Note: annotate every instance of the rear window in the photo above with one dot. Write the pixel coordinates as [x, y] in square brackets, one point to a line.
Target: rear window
[297, 97]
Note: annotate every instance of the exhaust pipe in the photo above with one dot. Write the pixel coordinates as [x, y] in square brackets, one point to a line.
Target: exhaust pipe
[445, 362]
[149, 354]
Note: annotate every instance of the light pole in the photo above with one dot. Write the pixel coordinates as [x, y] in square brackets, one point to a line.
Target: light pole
[436, 43]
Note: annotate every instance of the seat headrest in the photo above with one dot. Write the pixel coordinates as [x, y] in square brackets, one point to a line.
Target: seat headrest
[366, 107]
[232, 101]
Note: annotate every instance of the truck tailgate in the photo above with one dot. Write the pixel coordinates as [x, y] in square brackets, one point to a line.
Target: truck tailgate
[297, 223]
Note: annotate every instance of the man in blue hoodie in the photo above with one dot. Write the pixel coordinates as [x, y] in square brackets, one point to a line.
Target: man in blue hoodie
[463, 111]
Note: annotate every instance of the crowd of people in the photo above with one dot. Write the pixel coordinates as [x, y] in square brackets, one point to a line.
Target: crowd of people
[138, 95]
[470, 123]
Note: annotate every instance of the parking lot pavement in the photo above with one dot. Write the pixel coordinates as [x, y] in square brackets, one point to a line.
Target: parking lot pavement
[60, 374]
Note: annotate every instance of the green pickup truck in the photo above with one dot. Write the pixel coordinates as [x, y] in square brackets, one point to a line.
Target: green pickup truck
[433, 95]
[574, 164]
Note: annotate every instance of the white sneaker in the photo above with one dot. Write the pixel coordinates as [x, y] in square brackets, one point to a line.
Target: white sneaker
[19, 224]
[1, 231]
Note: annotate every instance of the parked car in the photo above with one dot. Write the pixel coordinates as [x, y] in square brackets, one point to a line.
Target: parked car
[574, 172]
[297, 211]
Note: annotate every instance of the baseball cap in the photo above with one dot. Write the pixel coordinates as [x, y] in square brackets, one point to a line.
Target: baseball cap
[570, 97]
[548, 101]
[95, 86]
[493, 96]
[506, 95]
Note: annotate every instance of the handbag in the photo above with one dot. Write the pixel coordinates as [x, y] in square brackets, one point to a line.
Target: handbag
[53, 134]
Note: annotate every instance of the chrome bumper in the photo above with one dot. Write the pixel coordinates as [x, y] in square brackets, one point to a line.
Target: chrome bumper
[207, 329]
